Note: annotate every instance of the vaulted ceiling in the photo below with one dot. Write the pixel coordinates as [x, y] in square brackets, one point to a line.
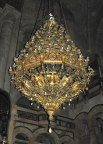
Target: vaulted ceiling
[83, 18]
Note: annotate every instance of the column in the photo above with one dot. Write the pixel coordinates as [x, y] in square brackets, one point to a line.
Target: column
[5, 39]
[93, 139]
[12, 124]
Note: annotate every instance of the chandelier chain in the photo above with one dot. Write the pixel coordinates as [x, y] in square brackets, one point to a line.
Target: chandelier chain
[63, 20]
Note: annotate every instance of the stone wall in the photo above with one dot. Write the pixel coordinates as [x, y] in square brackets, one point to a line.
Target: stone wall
[31, 126]
[84, 19]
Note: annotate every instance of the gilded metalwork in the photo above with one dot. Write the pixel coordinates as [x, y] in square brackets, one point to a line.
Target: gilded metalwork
[51, 69]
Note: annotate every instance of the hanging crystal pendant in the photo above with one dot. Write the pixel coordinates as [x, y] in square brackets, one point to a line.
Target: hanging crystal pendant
[50, 130]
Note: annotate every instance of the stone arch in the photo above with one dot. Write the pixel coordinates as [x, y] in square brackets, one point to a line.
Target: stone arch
[66, 140]
[82, 115]
[5, 96]
[93, 124]
[25, 131]
[40, 131]
[21, 137]
[82, 128]
[79, 120]
[99, 123]
[94, 111]
[94, 114]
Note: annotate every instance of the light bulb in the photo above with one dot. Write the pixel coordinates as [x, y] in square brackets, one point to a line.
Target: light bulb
[38, 107]
[31, 103]
[66, 95]
[45, 92]
[50, 130]
[69, 103]
[70, 100]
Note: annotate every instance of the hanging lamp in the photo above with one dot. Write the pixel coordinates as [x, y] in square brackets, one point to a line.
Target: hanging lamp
[51, 70]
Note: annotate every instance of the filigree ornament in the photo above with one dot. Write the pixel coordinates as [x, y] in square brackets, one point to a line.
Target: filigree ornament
[51, 70]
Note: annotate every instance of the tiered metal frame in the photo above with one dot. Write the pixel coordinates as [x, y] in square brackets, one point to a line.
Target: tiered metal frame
[51, 69]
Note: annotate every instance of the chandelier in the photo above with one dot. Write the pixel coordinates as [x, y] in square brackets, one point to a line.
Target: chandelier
[51, 70]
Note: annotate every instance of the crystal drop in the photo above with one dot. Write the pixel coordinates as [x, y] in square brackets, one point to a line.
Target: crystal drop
[50, 130]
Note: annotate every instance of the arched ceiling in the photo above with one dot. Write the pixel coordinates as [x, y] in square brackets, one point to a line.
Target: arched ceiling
[83, 19]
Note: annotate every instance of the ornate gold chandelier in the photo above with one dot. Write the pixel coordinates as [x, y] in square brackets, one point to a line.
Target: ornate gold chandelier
[50, 70]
